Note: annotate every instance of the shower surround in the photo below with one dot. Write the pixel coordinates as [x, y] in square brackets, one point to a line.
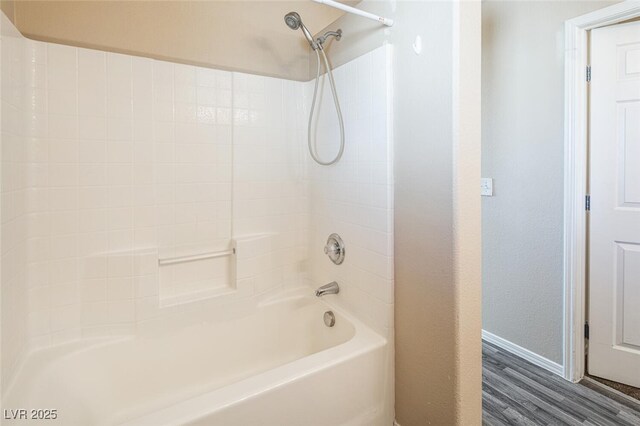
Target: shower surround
[111, 163]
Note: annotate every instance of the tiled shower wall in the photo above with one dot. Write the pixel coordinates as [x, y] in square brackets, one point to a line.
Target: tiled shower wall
[354, 198]
[269, 179]
[13, 231]
[130, 161]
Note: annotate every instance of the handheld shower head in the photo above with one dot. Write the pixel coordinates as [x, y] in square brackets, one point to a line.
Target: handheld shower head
[294, 21]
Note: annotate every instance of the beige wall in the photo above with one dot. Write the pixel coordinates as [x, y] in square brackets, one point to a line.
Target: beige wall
[247, 36]
[437, 205]
[7, 7]
[523, 150]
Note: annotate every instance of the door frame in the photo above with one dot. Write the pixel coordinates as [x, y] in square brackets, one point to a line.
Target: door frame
[576, 133]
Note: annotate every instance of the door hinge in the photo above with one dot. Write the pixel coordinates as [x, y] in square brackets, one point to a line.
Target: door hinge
[586, 329]
[588, 73]
[587, 203]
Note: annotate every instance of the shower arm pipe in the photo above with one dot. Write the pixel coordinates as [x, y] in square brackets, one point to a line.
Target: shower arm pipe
[386, 21]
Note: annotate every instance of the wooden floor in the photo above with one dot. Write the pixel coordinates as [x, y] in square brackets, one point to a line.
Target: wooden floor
[516, 392]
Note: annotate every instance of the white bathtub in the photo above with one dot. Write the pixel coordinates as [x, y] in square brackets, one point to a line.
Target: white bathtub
[279, 366]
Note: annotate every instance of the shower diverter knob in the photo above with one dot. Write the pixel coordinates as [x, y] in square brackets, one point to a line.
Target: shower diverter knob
[335, 249]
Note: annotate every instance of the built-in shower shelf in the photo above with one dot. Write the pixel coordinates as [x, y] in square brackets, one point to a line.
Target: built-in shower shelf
[194, 277]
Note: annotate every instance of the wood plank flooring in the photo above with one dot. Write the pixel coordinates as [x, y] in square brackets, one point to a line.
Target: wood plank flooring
[516, 392]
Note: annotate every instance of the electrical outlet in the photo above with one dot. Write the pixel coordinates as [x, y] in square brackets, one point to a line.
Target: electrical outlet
[486, 187]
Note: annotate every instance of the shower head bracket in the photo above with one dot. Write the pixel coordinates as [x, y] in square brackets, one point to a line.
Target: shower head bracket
[335, 34]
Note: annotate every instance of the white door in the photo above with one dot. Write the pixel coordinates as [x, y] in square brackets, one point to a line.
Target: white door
[614, 279]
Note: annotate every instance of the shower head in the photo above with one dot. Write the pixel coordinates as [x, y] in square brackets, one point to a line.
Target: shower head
[294, 21]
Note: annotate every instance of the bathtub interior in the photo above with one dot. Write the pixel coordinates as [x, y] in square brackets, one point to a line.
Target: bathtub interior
[97, 382]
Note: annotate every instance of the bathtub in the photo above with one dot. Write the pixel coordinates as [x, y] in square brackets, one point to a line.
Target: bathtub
[279, 365]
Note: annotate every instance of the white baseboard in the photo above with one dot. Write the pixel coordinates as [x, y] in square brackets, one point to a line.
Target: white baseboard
[532, 357]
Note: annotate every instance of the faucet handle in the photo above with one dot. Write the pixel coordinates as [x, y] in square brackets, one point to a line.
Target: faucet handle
[335, 249]
[331, 247]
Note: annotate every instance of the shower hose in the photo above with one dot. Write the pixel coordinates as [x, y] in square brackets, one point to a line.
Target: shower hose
[312, 150]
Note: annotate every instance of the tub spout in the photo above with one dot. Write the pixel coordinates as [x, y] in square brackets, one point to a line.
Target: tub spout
[331, 288]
